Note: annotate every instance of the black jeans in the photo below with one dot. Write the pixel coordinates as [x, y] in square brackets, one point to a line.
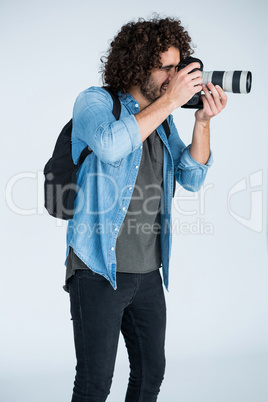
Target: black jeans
[99, 312]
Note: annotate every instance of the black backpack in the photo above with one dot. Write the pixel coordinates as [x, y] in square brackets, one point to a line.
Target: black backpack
[60, 171]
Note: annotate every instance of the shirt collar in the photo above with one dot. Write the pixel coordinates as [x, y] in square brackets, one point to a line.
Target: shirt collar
[127, 98]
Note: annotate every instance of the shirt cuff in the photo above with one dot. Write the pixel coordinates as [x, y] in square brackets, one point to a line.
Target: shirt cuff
[188, 161]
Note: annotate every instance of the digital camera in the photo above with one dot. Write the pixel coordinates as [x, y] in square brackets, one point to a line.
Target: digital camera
[238, 82]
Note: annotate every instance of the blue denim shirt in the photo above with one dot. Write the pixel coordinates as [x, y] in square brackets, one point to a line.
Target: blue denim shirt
[107, 177]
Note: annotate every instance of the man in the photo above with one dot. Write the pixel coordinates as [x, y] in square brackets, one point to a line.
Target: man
[121, 231]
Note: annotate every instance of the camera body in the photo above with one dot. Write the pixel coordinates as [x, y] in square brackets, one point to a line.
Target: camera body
[229, 81]
[196, 101]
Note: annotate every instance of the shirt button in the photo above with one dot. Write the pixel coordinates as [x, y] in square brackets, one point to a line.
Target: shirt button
[136, 105]
[124, 208]
[137, 167]
[116, 229]
[112, 248]
[130, 188]
[141, 147]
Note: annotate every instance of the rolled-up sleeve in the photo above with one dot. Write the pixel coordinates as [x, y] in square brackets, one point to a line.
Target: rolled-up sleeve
[189, 173]
[95, 125]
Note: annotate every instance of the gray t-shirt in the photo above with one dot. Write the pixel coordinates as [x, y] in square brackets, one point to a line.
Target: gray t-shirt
[138, 242]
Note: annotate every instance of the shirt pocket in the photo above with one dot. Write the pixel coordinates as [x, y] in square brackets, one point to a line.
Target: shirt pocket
[115, 164]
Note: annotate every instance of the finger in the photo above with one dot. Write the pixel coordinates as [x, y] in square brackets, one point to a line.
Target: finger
[222, 94]
[210, 100]
[197, 88]
[206, 107]
[190, 67]
[215, 96]
[197, 81]
[218, 93]
[194, 75]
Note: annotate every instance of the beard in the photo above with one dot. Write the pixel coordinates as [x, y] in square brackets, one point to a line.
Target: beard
[150, 90]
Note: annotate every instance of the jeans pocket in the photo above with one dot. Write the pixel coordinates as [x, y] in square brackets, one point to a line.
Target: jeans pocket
[90, 274]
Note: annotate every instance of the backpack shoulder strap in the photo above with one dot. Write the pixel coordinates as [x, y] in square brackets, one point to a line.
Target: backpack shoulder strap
[86, 151]
[116, 102]
[166, 128]
[116, 112]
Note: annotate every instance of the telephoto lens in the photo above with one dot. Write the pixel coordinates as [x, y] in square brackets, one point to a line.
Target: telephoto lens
[238, 82]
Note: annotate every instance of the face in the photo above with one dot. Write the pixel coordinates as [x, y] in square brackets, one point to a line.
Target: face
[157, 83]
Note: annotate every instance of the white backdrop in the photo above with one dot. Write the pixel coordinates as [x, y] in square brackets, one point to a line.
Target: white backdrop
[217, 333]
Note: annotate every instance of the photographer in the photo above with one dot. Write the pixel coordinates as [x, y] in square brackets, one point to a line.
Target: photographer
[126, 186]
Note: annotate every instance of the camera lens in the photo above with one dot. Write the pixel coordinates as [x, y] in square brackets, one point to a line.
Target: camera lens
[249, 80]
[231, 81]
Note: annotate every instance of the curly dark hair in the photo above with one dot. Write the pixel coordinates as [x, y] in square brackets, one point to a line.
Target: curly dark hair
[136, 49]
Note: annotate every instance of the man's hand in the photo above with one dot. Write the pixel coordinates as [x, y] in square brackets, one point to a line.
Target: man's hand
[214, 101]
[184, 85]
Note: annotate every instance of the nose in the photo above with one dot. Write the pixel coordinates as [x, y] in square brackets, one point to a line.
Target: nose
[172, 72]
